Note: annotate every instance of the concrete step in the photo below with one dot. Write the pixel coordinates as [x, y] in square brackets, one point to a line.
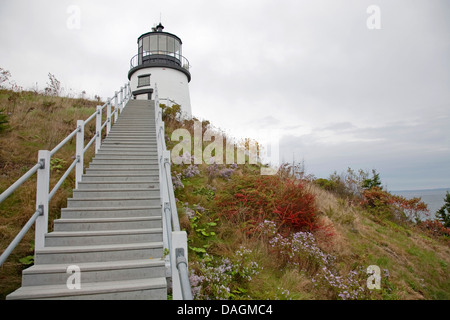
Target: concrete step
[129, 140]
[126, 135]
[97, 224]
[118, 156]
[123, 171]
[110, 212]
[134, 125]
[98, 185]
[126, 166]
[137, 141]
[126, 154]
[114, 193]
[141, 289]
[120, 177]
[99, 253]
[113, 202]
[100, 237]
[130, 150]
[131, 134]
[125, 147]
[94, 272]
[133, 153]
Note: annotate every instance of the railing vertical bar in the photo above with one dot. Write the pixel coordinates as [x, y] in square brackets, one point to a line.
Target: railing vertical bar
[79, 153]
[108, 116]
[42, 198]
[116, 106]
[98, 128]
[121, 104]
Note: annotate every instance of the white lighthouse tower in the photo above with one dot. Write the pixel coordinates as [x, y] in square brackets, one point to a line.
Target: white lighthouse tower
[160, 61]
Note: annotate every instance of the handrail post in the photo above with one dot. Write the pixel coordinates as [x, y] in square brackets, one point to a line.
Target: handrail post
[79, 152]
[42, 190]
[179, 240]
[116, 106]
[98, 129]
[122, 102]
[108, 116]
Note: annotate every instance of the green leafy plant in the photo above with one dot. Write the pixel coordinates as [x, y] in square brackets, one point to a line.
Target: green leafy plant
[28, 260]
[203, 229]
[57, 164]
[207, 192]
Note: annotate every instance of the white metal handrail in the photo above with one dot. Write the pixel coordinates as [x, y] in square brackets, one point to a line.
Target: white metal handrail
[42, 168]
[174, 239]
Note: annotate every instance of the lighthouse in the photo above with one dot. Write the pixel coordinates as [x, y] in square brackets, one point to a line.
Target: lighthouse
[160, 62]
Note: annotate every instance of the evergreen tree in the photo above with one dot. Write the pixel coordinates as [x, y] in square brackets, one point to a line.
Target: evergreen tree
[443, 213]
[374, 182]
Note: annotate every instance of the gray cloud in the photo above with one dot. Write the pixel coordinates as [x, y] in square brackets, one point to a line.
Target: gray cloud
[338, 94]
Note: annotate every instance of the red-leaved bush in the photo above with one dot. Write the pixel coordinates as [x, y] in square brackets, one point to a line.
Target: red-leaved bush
[377, 198]
[258, 198]
[435, 227]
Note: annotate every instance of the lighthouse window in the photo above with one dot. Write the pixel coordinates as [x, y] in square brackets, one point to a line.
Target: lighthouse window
[153, 43]
[162, 44]
[171, 45]
[146, 44]
[177, 50]
[143, 80]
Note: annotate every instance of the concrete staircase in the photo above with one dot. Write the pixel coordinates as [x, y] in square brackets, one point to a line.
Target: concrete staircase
[112, 226]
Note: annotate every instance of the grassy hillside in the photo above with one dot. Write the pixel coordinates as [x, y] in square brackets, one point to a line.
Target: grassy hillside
[287, 236]
[292, 236]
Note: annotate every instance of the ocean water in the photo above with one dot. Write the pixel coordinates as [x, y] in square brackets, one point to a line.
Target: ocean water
[434, 198]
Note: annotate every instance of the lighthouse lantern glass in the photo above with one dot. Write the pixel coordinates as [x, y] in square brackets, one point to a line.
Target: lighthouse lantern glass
[157, 43]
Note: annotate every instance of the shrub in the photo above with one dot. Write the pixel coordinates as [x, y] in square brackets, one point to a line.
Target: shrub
[326, 184]
[394, 206]
[170, 114]
[435, 228]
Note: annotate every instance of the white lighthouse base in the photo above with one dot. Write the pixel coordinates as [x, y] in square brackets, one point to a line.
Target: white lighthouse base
[173, 87]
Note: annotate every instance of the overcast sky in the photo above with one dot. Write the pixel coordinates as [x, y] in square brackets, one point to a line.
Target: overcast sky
[336, 93]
